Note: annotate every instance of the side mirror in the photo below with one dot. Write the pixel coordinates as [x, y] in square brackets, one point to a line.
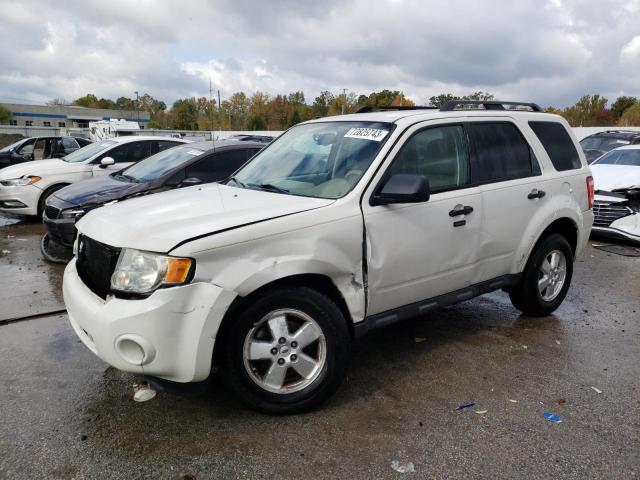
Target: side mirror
[403, 188]
[189, 182]
[106, 161]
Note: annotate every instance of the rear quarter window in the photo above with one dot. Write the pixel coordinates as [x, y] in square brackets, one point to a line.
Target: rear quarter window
[558, 144]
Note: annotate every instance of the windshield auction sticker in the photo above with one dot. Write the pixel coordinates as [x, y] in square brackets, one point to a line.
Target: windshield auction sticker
[366, 134]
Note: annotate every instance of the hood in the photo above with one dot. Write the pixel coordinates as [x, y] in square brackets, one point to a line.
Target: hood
[96, 191]
[159, 222]
[40, 168]
[613, 177]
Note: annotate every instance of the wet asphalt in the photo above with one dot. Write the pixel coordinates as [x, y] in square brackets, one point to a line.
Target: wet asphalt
[64, 414]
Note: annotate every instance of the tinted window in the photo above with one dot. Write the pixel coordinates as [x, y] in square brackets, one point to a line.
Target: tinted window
[602, 143]
[88, 151]
[69, 143]
[130, 152]
[620, 157]
[501, 152]
[83, 142]
[438, 153]
[558, 144]
[217, 167]
[165, 144]
[161, 163]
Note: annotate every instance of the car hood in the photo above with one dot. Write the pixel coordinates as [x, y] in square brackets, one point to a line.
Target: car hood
[159, 222]
[96, 191]
[613, 177]
[40, 167]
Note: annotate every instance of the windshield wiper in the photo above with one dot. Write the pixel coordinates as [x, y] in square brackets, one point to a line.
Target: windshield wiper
[236, 181]
[127, 178]
[268, 187]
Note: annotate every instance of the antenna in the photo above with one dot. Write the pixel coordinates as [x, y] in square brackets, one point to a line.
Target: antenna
[344, 98]
[211, 108]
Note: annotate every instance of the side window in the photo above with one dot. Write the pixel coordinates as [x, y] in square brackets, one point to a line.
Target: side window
[69, 143]
[129, 152]
[439, 153]
[218, 166]
[558, 145]
[501, 153]
[26, 148]
[165, 144]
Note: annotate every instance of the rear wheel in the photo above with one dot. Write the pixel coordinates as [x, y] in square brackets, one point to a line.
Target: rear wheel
[52, 251]
[546, 278]
[287, 352]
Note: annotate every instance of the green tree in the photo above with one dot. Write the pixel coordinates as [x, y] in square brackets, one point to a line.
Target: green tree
[321, 103]
[440, 100]
[631, 116]
[5, 115]
[184, 114]
[585, 112]
[89, 100]
[621, 104]
[294, 119]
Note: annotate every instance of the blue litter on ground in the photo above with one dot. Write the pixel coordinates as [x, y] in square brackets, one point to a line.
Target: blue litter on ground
[551, 417]
[465, 405]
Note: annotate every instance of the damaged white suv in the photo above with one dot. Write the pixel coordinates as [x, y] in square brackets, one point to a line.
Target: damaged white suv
[340, 226]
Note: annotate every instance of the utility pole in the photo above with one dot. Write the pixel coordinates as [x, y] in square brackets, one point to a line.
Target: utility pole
[344, 98]
[211, 108]
[219, 111]
[137, 109]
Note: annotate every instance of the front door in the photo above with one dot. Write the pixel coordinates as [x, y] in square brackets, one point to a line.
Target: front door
[417, 251]
[123, 155]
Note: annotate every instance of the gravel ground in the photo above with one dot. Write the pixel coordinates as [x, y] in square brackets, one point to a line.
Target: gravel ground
[65, 414]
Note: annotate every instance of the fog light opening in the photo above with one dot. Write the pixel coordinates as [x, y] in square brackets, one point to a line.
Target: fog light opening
[135, 350]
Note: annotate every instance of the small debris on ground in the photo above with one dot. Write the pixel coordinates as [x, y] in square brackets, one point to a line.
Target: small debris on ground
[525, 346]
[558, 342]
[559, 403]
[403, 467]
[513, 401]
[465, 405]
[143, 392]
[420, 339]
[552, 418]
[6, 252]
[597, 390]
[481, 412]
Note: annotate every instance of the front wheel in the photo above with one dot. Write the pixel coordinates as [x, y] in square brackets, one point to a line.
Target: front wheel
[287, 352]
[546, 278]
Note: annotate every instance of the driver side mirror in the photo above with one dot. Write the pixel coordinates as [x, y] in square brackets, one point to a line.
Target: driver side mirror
[106, 161]
[402, 188]
[189, 182]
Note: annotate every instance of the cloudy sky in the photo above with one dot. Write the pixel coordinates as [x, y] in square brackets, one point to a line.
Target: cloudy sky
[548, 51]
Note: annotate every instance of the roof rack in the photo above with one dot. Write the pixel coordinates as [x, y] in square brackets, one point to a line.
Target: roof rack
[372, 108]
[488, 105]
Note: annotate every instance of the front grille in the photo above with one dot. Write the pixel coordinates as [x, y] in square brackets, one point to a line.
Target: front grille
[51, 212]
[95, 263]
[606, 213]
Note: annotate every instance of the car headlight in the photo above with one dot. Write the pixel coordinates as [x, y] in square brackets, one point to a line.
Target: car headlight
[72, 213]
[22, 181]
[143, 272]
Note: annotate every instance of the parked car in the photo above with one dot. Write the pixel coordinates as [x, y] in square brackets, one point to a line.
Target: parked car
[616, 176]
[40, 148]
[24, 188]
[340, 226]
[190, 164]
[600, 143]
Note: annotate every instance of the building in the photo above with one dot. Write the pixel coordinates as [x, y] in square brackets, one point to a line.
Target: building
[68, 116]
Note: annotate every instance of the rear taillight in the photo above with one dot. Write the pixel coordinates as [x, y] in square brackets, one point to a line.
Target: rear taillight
[590, 191]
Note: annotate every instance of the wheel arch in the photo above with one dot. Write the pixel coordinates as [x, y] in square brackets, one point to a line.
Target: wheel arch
[565, 226]
[46, 192]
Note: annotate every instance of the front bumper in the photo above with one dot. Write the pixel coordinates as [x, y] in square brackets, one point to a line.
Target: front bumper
[626, 228]
[61, 230]
[27, 195]
[170, 334]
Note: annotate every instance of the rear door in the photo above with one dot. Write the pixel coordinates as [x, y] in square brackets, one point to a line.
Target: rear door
[218, 166]
[417, 251]
[508, 174]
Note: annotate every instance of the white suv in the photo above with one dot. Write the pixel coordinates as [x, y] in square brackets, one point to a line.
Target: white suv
[24, 188]
[340, 226]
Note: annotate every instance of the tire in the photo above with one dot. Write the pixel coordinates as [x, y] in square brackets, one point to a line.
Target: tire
[250, 334]
[543, 286]
[52, 252]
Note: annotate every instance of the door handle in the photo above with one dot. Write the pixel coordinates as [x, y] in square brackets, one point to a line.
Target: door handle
[466, 210]
[535, 193]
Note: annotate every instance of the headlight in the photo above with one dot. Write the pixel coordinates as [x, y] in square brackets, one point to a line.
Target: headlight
[143, 272]
[72, 213]
[18, 182]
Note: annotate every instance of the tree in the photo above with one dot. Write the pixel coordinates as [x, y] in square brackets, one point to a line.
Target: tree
[294, 119]
[89, 100]
[321, 103]
[184, 114]
[631, 116]
[586, 111]
[440, 100]
[554, 110]
[621, 104]
[57, 101]
[5, 115]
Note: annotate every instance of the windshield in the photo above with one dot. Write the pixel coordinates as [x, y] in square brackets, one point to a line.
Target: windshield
[85, 153]
[604, 144]
[157, 165]
[620, 157]
[322, 160]
[13, 145]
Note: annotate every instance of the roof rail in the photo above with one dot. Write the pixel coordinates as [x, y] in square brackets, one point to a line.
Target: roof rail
[373, 108]
[488, 105]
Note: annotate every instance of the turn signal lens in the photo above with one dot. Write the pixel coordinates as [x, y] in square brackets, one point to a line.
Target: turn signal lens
[590, 191]
[177, 270]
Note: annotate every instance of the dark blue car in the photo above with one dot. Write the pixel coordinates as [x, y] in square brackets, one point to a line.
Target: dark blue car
[186, 165]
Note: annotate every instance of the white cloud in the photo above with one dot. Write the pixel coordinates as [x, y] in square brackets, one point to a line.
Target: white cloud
[551, 52]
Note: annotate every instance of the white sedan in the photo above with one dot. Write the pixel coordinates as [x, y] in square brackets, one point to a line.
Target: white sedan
[24, 188]
[616, 176]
